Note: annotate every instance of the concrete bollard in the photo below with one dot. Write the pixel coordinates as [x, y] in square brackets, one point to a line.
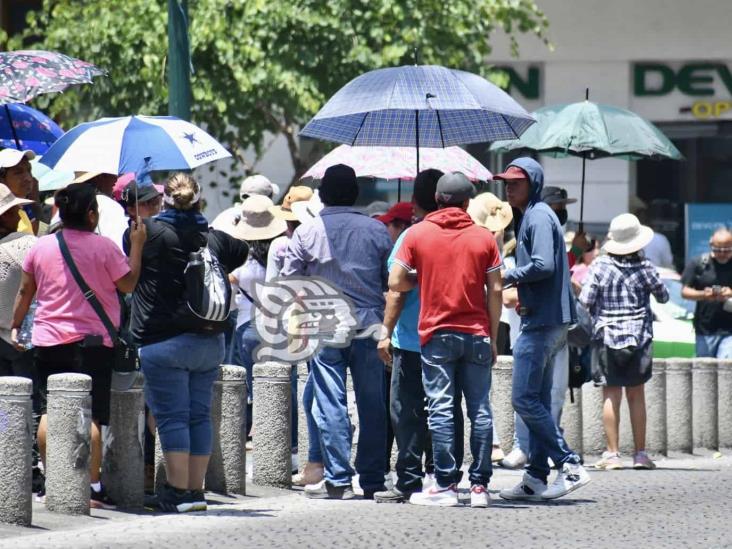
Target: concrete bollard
[656, 437]
[227, 468]
[303, 438]
[724, 392]
[16, 443]
[678, 405]
[704, 403]
[501, 405]
[271, 440]
[160, 476]
[593, 431]
[123, 468]
[571, 422]
[68, 444]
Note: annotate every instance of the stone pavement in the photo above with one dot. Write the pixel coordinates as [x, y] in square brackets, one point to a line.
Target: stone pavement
[686, 502]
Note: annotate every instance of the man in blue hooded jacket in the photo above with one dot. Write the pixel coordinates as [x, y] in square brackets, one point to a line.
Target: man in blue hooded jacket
[546, 307]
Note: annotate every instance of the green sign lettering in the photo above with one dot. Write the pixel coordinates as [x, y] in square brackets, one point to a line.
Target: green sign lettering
[694, 79]
[691, 78]
[528, 87]
[640, 86]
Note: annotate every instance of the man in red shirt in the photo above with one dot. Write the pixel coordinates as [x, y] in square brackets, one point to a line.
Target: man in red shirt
[454, 261]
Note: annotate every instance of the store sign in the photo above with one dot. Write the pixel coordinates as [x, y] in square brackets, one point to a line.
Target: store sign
[701, 221]
[525, 82]
[683, 91]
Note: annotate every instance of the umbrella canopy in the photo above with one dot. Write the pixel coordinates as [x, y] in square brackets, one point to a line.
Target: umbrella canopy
[592, 130]
[22, 127]
[25, 74]
[399, 162]
[48, 179]
[420, 105]
[139, 144]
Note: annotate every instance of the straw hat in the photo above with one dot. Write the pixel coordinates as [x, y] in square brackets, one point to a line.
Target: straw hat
[488, 211]
[305, 211]
[627, 235]
[8, 199]
[257, 222]
[295, 194]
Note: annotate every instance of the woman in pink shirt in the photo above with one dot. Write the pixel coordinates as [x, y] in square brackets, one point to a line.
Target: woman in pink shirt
[68, 335]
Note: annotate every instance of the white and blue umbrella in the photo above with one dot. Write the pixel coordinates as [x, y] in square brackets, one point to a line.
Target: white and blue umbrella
[140, 144]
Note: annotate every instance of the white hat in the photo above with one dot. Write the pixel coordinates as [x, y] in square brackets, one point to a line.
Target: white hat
[12, 157]
[627, 235]
[256, 221]
[256, 184]
[488, 211]
[308, 209]
[8, 199]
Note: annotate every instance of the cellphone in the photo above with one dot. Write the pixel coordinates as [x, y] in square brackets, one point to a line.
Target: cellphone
[716, 290]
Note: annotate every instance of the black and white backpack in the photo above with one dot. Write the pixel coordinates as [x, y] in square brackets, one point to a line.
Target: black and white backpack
[207, 291]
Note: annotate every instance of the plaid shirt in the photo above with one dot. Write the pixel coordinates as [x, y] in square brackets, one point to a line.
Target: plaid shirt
[617, 295]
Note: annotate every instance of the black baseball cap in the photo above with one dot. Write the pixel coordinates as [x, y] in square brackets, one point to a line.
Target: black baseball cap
[142, 192]
[556, 195]
[454, 188]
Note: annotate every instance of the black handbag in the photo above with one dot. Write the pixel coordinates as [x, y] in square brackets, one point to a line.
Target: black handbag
[125, 357]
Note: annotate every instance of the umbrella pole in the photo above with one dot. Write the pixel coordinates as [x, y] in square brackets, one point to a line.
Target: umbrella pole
[582, 195]
[399, 190]
[12, 128]
[416, 126]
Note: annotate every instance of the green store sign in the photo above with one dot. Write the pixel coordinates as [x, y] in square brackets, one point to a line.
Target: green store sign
[694, 79]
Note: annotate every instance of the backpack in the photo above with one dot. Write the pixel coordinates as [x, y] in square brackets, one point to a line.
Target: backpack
[207, 291]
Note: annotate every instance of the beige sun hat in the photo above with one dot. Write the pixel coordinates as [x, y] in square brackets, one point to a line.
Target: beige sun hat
[256, 221]
[299, 193]
[627, 235]
[308, 210]
[8, 199]
[488, 211]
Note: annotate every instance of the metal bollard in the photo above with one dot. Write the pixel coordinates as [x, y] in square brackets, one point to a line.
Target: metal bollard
[678, 405]
[227, 468]
[501, 405]
[704, 403]
[571, 422]
[16, 443]
[593, 431]
[68, 442]
[123, 467]
[272, 443]
[724, 404]
[303, 438]
[656, 438]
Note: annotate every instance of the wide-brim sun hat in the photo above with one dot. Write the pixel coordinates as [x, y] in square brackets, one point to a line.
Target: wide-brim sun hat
[309, 210]
[8, 199]
[488, 211]
[256, 221]
[626, 235]
[296, 194]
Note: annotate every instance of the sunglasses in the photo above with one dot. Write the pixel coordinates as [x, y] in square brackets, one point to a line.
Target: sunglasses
[718, 250]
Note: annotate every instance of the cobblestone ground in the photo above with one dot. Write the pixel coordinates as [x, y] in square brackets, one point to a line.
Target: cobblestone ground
[685, 503]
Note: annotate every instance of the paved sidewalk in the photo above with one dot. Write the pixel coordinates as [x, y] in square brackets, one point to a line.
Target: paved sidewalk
[685, 502]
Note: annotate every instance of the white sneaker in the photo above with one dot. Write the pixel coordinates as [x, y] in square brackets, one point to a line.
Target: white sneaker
[479, 496]
[317, 487]
[428, 481]
[437, 496]
[569, 478]
[529, 489]
[515, 459]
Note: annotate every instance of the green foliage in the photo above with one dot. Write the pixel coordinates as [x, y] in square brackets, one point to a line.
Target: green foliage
[261, 65]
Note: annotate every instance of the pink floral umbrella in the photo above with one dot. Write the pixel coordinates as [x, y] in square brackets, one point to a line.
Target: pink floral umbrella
[25, 74]
[400, 162]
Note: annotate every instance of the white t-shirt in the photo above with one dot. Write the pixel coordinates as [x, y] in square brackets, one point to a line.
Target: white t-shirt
[246, 276]
[509, 314]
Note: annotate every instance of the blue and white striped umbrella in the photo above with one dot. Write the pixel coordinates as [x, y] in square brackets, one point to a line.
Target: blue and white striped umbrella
[139, 144]
[418, 106]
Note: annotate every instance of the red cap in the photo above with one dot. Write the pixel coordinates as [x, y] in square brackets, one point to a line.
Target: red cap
[401, 211]
[512, 172]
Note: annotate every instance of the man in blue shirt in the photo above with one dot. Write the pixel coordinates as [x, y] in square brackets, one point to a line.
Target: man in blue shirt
[349, 250]
[400, 349]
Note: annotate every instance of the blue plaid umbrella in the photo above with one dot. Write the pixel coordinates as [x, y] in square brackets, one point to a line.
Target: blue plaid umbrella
[418, 105]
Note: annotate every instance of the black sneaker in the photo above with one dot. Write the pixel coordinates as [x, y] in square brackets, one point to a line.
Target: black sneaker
[394, 495]
[38, 481]
[325, 490]
[173, 500]
[100, 500]
[199, 500]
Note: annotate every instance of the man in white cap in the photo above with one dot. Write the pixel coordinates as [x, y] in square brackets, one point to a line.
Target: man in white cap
[252, 185]
[15, 172]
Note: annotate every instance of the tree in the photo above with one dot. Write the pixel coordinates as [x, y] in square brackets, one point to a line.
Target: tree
[262, 65]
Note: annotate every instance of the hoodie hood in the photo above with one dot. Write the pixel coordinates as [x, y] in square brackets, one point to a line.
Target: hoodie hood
[450, 218]
[536, 176]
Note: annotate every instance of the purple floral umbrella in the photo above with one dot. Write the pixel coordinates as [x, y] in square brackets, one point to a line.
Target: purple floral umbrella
[25, 74]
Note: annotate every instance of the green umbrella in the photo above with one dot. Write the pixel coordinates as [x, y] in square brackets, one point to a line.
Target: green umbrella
[591, 130]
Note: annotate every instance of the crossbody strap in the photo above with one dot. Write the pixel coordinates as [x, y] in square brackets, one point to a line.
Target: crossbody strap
[89, 294]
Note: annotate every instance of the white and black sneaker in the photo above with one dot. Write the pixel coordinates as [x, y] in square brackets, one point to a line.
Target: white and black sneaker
[529, 489]
[569, 478]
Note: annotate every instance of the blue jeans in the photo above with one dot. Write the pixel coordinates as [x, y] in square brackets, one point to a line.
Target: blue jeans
[330, 410]
[560, 383]
[315, 450]
[714, 346]
[533, 377]
[452, 363]
[245, 341]
[179, 377]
